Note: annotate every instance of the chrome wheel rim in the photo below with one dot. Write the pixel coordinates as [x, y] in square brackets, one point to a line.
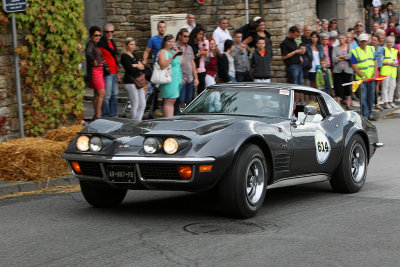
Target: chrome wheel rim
[255, 179]
[357, 163]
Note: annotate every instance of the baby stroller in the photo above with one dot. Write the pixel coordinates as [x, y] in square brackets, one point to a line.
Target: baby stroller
[151, 98]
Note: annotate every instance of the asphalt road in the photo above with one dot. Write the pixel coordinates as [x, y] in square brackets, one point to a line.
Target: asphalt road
[305, 225]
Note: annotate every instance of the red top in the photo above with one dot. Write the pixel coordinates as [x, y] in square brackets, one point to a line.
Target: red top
[211, 68]
[109, 59]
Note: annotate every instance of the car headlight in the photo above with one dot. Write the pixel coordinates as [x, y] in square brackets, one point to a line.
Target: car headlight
[82, 143]
[170, 145]
[151, 145]
[95, 144]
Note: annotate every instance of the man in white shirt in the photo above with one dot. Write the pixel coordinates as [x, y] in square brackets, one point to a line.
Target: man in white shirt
[190, 23]
[221, 34]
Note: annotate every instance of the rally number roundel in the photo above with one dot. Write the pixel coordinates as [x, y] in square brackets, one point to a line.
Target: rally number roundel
[322, 146]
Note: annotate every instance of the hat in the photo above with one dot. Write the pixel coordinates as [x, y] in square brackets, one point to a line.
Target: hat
[257, 18]
[363, 37]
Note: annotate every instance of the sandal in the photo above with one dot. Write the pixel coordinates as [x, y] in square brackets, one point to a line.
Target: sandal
[378, 107]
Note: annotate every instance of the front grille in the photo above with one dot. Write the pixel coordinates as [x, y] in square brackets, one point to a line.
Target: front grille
[159, 171]
[90, 168]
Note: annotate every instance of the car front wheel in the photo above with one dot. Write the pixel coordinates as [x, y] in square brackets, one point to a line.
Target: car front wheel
[100, 196]
[351, 173]
[243, 188]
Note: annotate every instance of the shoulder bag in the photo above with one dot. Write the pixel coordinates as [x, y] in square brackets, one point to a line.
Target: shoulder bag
[161, 76]
[141, 82]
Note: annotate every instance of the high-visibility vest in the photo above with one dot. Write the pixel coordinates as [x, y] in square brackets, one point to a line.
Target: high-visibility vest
[365, 61]
[390, 56]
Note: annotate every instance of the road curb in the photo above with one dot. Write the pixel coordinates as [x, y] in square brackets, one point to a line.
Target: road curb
[21, 187]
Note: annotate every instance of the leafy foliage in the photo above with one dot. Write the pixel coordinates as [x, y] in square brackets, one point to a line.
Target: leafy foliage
[50, 58]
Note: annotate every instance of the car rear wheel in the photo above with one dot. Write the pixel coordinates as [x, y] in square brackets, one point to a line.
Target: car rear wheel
[100, 196]
[243, 188]
[351, 173]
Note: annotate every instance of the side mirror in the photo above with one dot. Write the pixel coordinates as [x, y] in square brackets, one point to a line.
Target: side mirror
[182, 107]
[309, 110]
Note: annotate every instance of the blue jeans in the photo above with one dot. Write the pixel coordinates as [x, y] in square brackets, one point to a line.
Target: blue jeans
[294, 74]
[109, 107]
[367, 98]
[186, 96]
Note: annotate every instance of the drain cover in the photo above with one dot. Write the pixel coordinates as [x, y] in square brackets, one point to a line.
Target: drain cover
[223, 228]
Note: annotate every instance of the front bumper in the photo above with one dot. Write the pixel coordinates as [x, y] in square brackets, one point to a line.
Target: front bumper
[150, 172]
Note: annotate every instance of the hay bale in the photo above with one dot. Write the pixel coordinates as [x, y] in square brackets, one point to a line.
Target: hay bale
[32, 159]
[64, 134]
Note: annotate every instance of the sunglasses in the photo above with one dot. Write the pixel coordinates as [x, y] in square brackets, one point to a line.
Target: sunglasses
[185, 36]
[360, 25]
[96, 35]
[108, 31]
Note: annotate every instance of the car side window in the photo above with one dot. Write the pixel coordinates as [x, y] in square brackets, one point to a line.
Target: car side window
[305, 98]
[333, 106]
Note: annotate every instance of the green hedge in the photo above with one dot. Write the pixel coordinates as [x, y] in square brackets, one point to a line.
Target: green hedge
[52, 50]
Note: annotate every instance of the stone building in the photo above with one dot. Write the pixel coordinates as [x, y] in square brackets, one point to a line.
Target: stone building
[131, 18]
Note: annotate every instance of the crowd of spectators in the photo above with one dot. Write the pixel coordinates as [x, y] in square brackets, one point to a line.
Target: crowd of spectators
[315, 55]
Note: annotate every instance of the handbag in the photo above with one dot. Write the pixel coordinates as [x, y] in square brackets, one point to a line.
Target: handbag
[161, 76]
[141, 82]
[106, 70]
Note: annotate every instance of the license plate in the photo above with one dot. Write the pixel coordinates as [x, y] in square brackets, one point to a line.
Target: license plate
[121, 174]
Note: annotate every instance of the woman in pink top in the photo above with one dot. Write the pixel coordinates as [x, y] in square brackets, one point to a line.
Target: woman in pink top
[200, 48]
[327, 49]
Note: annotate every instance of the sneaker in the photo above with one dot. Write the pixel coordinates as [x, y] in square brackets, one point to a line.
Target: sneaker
[393, 105]
[387, 106]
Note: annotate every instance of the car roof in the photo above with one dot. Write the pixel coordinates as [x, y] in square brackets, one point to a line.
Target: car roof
[255, 85]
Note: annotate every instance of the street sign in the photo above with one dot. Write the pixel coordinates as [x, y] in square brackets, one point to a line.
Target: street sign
[14, 5]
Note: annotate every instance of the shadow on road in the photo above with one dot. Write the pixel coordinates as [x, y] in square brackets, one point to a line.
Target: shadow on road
[204, 204]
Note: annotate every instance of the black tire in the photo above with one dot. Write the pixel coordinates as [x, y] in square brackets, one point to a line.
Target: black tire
[248, 166]
[102, 196]
[350, 175]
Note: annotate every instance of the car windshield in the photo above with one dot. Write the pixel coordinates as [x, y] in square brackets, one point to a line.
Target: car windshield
[242, 101]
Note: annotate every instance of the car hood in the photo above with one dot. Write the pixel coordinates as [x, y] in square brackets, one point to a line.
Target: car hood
[177, 125]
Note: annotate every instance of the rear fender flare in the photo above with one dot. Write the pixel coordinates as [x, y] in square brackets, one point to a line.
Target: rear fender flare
[363, 135]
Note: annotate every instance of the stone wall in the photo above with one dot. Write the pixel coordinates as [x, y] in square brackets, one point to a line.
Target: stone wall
[349, 12]
[132, 19]
[8, 100]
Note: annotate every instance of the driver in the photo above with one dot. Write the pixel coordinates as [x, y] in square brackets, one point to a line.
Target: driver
[213, 102]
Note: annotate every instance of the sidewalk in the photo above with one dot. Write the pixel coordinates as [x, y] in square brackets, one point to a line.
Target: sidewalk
[15, 188]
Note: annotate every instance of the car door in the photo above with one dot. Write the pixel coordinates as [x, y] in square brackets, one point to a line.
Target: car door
[316, 138]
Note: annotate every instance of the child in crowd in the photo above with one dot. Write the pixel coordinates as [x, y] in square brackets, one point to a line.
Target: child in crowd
[324, 77]
[241, 59]
[306, 63]
[261, 62]
[391, 28]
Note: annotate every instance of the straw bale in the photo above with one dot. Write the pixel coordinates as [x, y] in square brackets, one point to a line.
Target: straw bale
[32, 159]
[64, 134]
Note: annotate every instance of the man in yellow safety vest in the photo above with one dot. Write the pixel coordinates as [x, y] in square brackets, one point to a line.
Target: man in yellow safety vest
[365, 68]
